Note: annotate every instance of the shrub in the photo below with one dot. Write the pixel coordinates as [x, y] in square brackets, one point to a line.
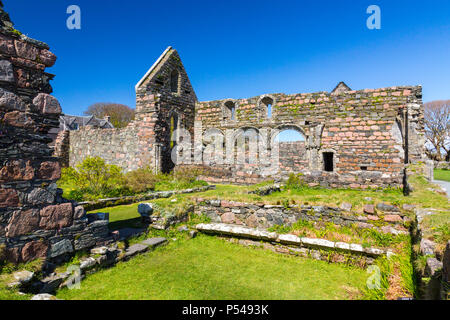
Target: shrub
[141, 180]
[295, 181]
[93, 179]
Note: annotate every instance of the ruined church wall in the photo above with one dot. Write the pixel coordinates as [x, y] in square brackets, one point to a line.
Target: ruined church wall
[365, 130]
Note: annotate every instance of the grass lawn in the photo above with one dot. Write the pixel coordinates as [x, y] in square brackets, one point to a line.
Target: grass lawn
[443, 175]
[421, 196]
[211, 268]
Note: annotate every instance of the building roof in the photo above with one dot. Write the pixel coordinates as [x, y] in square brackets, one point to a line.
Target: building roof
[68, 122]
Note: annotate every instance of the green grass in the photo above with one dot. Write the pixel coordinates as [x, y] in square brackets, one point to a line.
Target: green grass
[211, 268]
[334, 197]
[440, 174]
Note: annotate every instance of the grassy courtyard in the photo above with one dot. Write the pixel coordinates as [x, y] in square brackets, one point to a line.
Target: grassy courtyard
[440, 174]
[211, 268]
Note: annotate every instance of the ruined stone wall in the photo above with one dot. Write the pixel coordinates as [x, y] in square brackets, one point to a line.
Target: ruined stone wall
[371, 133]
[163, 94]
[35, 221]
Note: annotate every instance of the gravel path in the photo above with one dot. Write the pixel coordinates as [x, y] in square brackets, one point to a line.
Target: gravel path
[445, 185]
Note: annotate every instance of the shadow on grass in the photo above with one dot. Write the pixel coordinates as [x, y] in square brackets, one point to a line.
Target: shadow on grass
[129, 223]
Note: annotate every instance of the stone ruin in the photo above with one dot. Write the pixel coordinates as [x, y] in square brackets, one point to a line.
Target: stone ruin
[355, 139]
[35, 221]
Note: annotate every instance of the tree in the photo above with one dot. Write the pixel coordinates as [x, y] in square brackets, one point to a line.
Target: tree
[437, 129]
[120, 115]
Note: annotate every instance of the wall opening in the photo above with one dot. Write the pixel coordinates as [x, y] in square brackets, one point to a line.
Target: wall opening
[267, 104]
[230, 110]
[328, 164]
[174, 81]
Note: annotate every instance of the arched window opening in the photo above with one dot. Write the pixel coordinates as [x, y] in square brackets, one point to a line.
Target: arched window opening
[290, 135]
[267, 104]
[174, 81]
[230, 110]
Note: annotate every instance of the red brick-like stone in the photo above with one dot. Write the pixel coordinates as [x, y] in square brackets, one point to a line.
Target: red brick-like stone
[17, 170]
[47, 104]
[7, 46]
[33, 250]
[47, 58]
[369, 209]
[18, 119]
[23, 222]
[57, 216]
[8, 198]
[26, 50]
[228, 217]
[393, 218]
[50, 170]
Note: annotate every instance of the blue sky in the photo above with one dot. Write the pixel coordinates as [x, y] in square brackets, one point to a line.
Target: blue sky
[238, 49]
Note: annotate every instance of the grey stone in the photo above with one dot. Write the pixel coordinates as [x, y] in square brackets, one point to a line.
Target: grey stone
[87, 263]
[387, 208]
[6, 71]
[145, 209]
[427, 247]
[44, 296]
[346, 206]
[51, 283]
[183, 229]
[433, 266]
[40, 196]
[60, 248]
[154, 242]
[99, 250]
[135, 249]
[192, 234]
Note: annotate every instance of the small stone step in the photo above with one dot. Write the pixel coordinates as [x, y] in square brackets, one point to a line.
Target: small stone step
[135, 249]
[154, 242]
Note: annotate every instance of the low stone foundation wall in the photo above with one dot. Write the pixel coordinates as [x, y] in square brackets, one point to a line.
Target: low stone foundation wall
[111, 202]
[266, 216]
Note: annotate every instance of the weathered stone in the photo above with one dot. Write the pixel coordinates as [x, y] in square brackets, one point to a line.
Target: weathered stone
[192, 234]
[228, 217]
[369, 209]
[346, 206]
[6, 71]
[387, 207]
[154, 242]
[8, 198]
[23, 222]
[26, 50]
[427, 247]
[10, 101]
[56, 217]
[183, 229]
[40, 196]
[433, 266]
[145, 209]
[47, 58]
[79, 212]
[44, 296]
[87, 263]
[17, 170]
[409, 207]
[47, 104]
[23, 277]
[99, 250]
[289, 239]
[33, 250]
[393, 218]
[60, 248]
[49, 170]
[135, 249]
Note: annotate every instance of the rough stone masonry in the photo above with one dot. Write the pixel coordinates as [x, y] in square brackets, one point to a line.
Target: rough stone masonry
[35, 221]
[355, 139]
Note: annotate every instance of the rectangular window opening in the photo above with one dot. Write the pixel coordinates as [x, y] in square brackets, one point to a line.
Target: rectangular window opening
[328, 161]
